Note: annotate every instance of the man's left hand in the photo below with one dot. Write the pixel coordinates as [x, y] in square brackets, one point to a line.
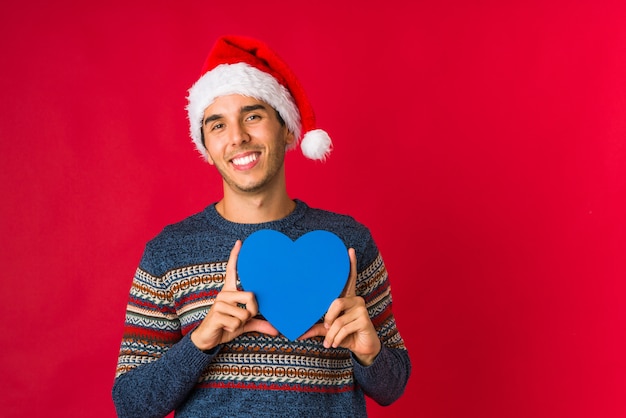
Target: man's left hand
[347, 323]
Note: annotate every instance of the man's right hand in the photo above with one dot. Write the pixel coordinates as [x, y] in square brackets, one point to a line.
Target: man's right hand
[232, 313]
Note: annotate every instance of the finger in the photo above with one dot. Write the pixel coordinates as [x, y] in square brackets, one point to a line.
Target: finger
[239, 299]
[350, 289]
[224, 309]
[259, 325]
[334, 311]
[340, 307]
[352, 312]
[225, 320]
[317, 330]
[230, 282]
[333, 333]
[232, 324]
[336, 336]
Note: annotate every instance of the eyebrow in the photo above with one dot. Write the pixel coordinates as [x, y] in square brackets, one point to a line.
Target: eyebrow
[212, 118]
[244, 109]
[250, 108]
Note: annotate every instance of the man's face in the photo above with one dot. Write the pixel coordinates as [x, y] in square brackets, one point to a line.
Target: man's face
[246, 142]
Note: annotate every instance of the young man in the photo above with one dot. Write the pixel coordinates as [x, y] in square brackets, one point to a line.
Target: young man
[197, 344]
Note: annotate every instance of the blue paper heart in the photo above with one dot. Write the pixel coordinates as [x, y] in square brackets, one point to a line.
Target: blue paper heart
[294, 282]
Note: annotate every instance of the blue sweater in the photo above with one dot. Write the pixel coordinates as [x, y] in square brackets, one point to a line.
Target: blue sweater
[181, 272]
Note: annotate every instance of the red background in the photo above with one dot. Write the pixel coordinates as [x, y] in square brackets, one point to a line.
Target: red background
[483, 144]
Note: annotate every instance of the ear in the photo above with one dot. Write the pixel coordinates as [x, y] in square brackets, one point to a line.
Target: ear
[289, 137]
[208, 158]
[206, 151]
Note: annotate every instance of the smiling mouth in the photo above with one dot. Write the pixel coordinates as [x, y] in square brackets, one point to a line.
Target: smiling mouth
[245, 160]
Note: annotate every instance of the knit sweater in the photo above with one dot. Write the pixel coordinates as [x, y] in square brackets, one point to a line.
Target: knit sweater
[181, 272]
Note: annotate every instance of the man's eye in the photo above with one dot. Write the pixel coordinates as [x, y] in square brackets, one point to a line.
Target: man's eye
[253, 117]
[217, 126]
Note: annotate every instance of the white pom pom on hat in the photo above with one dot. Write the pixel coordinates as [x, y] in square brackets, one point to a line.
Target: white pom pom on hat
[316, 144]
[246, 66]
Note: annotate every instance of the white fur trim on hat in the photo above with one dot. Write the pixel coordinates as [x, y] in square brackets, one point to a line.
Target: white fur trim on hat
[239, 78]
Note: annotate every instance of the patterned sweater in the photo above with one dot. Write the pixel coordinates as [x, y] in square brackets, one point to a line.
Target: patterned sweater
[181, 272]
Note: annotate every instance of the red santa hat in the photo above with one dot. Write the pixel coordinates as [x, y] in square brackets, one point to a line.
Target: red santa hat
[239, 65]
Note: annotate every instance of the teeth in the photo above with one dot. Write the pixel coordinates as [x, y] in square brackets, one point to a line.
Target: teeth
[245, 160]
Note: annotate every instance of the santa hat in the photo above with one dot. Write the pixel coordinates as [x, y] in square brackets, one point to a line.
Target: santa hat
[245, 66]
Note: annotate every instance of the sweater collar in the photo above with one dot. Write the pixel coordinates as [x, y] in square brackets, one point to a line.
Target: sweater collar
[216, 220]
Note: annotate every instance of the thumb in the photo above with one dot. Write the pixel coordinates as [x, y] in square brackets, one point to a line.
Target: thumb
[230, 282]
[350, 289]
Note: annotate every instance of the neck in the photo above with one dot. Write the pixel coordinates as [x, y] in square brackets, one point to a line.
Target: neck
[255, 209]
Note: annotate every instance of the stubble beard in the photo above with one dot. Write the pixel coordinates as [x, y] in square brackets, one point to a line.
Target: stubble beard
[274, 166]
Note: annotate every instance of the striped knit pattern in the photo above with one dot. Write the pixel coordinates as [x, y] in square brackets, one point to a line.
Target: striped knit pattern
[158, 316]
[163, 308]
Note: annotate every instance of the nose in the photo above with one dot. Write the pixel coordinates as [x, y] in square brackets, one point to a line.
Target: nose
[239, 134]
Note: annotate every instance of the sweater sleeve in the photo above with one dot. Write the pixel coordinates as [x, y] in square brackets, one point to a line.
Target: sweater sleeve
[157, 367]
[385, 379]
[156, 389]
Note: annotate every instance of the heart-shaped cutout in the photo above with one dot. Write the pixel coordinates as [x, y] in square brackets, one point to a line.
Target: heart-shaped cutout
[294, 282]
